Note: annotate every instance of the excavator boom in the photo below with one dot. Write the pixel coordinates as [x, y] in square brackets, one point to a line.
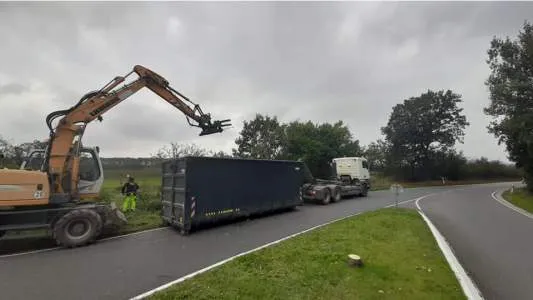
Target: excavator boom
[62, 154]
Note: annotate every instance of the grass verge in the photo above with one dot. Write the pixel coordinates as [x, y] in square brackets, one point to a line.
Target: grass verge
[521, 198]
[401, 261]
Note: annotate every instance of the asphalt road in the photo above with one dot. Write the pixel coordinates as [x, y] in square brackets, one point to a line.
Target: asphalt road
[125, 267]
[492, 242]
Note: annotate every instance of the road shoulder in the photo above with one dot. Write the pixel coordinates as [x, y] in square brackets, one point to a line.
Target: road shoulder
[518, 200]
[467, 284]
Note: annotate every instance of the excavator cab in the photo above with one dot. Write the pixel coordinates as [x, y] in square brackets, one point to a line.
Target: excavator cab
[91, 174]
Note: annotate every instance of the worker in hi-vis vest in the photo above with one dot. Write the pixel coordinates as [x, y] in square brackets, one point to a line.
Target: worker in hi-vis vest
[129, 190]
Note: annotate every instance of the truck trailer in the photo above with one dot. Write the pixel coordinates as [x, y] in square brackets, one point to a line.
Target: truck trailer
[199, 191]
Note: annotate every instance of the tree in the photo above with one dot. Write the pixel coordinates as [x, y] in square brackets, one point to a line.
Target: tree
[175, 150]
[16, 154]
[511, 97]
[449, 164]
[317, 145]
[221, 154]
[377, 153]
[5, 147]
[261, 138]
[21, 151]
[420, 126]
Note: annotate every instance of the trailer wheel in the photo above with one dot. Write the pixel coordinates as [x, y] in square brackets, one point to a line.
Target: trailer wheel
[337, 195]
[327, 197]
[77, 228]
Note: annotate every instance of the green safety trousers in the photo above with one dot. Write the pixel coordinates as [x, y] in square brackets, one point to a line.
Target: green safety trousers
[129, 202]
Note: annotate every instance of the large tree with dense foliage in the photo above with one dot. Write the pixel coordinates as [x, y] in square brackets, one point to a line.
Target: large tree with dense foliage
[377, 154]
[511, 97]
[265, 137]
[318, 144]
[420, 126]
[260, 138]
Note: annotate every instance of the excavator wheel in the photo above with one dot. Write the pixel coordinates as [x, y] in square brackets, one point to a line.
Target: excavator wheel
[77, 228]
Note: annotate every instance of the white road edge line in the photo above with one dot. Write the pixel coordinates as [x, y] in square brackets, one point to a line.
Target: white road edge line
[469, 287]
[510, 205]
[100, 240]
[190, 275]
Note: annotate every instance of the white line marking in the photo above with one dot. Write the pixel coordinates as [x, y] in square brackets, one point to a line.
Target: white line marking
[100, 240]
[28, 252]
[469, 287]
[510, 205]
[190, 275]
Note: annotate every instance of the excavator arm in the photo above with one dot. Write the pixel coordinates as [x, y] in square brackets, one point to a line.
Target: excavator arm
[62, 155]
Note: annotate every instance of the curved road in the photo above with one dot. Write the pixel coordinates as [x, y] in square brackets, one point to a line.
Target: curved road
[493, 242]
[125, 267]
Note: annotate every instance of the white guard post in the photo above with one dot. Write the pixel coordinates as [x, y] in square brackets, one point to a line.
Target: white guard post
[396, 189]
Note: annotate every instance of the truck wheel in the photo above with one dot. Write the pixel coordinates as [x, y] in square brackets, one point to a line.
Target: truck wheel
[327, 197]
[77, 228]
[364, 192]
[337, 195]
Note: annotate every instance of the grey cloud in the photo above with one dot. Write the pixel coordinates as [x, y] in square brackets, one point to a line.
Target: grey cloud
[12, 88]
[319, 61]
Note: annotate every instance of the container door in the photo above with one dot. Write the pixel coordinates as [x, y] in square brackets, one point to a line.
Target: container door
[172, 192]
[167, 197]
[178, 206]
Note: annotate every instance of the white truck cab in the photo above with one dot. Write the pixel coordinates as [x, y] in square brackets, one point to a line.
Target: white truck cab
[351, 169]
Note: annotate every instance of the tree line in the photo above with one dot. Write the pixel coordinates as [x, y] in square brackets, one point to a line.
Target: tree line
[419, 138]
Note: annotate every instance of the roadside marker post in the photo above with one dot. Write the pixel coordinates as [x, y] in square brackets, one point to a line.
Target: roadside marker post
[396, 189]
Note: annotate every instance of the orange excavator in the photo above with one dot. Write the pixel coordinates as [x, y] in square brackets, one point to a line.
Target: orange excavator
[58, 187]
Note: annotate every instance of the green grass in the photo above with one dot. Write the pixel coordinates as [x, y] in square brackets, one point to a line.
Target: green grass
[521, 198]
[401, 261]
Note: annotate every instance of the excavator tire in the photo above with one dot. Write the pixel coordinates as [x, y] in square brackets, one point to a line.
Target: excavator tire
[77, 228]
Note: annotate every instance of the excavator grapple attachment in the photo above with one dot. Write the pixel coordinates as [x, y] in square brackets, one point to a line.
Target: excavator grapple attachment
[216, 127]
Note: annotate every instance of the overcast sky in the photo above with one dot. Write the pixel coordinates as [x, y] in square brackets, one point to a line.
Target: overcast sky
[309, 61]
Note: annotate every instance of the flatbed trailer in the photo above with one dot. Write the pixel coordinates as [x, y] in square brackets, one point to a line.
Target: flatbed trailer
[327, 191]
